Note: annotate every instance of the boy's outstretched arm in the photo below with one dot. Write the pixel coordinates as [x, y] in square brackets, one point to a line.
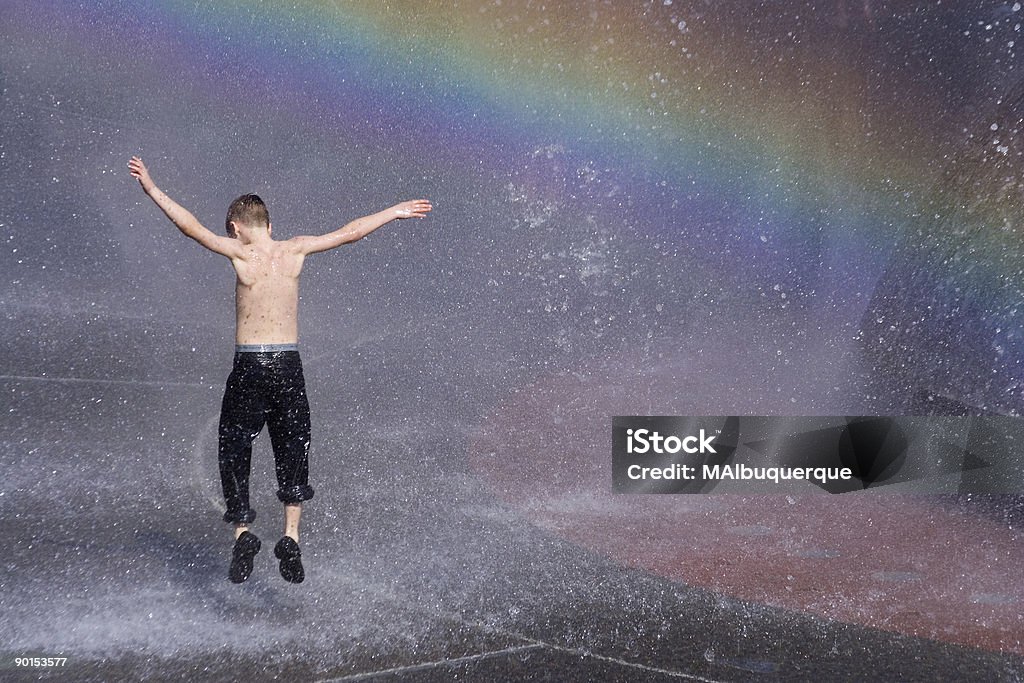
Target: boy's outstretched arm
[361, 227]
[180, 216]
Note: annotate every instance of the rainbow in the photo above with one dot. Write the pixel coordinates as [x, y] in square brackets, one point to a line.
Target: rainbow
[796, 125]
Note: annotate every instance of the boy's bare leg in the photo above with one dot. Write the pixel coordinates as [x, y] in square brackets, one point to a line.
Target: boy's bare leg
[292, 514]
[240, 529]
[287, 549]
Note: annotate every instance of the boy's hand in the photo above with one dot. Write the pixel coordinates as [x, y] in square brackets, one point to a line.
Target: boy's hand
[417, 208]
[140, 173]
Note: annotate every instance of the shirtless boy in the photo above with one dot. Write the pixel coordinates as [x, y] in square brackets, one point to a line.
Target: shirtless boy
[266, 385]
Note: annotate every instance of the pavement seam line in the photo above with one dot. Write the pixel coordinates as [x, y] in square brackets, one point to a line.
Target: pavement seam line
[99, 380]
[627, 663]
[441, 662]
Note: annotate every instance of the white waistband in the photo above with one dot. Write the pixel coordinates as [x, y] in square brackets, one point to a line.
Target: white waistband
[265, 348]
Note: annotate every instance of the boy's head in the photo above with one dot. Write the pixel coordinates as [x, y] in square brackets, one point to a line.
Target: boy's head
[248, 210]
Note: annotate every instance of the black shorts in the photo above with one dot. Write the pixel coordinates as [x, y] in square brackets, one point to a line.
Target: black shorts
[265, 387]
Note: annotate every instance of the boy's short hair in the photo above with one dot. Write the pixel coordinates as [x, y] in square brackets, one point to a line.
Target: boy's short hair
[248, 209]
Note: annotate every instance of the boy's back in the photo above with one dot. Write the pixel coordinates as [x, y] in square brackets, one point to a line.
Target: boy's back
[267, 292]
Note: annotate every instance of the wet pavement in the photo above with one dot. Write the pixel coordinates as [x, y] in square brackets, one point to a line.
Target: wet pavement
[435, 550]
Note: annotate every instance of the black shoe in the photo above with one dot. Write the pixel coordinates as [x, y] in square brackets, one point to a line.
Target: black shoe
[246, 547]
[287, 550]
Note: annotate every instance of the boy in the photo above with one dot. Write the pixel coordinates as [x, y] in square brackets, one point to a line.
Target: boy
[266, 385]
